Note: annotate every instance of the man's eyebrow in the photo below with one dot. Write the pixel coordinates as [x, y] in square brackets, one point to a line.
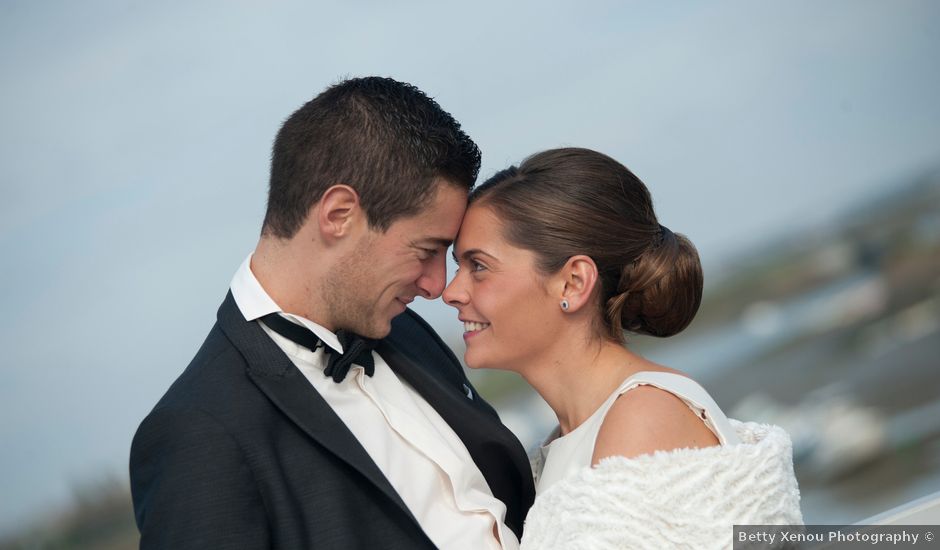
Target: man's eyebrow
[437, 241]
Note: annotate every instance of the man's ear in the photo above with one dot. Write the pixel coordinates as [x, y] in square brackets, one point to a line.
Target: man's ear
[579, 276]
[338, 212]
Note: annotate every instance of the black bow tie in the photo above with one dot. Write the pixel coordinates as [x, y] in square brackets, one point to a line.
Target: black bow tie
[356, 349]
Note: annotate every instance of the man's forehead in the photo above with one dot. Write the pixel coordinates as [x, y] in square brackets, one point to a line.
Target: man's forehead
[445, 214]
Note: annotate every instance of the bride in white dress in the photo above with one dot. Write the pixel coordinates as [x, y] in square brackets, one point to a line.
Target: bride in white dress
[557, 259]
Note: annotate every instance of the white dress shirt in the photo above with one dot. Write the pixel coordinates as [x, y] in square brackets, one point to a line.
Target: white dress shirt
[419, 453]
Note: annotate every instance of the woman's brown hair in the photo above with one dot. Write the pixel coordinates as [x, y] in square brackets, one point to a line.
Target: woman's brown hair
[565, 202]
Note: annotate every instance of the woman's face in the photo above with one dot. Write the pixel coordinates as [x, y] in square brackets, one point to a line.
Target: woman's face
[507, 312]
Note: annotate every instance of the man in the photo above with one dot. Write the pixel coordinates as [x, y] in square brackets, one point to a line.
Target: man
[287, 430]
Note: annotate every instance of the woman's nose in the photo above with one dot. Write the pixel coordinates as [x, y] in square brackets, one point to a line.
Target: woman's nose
[454, 293]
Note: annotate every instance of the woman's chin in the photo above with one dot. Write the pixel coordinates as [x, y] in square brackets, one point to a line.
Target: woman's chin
[474, 362]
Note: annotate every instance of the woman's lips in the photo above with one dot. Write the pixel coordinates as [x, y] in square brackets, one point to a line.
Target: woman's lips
[472, 328]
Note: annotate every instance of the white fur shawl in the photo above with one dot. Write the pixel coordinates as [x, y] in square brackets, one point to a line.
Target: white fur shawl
[686, 498]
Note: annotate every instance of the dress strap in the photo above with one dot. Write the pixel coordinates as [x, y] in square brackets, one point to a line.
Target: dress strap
[692, 394]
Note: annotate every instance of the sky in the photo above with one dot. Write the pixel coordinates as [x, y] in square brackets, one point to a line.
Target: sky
[135, 141]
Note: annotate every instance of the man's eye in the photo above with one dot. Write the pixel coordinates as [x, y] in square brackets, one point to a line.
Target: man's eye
[428, 253]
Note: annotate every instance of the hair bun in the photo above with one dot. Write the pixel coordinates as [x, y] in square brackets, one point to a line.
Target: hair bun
[660, 291]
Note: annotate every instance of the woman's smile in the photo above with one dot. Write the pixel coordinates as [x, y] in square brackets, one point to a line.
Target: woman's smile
[472, 328]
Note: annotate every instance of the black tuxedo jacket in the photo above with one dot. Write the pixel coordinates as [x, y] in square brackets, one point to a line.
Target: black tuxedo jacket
[242, 452]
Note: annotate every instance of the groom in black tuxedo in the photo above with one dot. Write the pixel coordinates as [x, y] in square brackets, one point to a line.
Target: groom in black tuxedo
[321, 412]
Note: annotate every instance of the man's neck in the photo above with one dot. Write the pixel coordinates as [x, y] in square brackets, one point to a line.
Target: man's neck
[289, 280]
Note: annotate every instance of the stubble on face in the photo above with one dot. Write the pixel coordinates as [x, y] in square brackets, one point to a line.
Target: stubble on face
[347, 289]
[375, 281]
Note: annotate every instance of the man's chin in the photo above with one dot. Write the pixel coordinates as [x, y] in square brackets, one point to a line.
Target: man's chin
[380, 335]
[378, 330]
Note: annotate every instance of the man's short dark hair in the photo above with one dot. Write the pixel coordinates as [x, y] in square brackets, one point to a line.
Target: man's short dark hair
[385, 139]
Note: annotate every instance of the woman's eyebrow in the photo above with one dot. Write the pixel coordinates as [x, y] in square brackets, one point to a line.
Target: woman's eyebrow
[470, 252]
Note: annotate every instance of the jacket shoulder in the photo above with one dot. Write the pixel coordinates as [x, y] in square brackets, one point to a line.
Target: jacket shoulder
[214, 379]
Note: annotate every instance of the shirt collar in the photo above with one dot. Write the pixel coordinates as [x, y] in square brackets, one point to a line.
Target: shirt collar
[254, 302]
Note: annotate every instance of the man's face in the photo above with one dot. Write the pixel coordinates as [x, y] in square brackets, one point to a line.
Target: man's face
[387, 270]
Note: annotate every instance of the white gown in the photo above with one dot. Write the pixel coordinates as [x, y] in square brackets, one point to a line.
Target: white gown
[685, 498]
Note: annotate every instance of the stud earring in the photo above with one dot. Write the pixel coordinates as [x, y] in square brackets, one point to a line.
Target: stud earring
[565, 305]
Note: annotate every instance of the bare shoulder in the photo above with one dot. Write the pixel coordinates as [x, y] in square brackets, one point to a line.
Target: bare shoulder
[647, 419]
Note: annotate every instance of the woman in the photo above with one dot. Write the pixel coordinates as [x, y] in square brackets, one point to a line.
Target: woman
[557, 258]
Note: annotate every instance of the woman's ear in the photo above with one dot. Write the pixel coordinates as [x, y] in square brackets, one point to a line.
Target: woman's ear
[337, 212]
[579, 275]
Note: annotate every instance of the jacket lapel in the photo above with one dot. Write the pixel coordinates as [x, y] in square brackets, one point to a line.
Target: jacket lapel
[274, 374]
[446, 394]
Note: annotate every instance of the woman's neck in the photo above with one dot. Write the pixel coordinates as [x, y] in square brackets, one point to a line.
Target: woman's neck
[581, 376]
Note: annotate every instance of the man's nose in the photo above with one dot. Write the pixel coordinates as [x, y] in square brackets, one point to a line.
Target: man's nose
[433, 278]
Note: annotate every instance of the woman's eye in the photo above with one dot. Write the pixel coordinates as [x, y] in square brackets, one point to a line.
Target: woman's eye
[476, 266]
